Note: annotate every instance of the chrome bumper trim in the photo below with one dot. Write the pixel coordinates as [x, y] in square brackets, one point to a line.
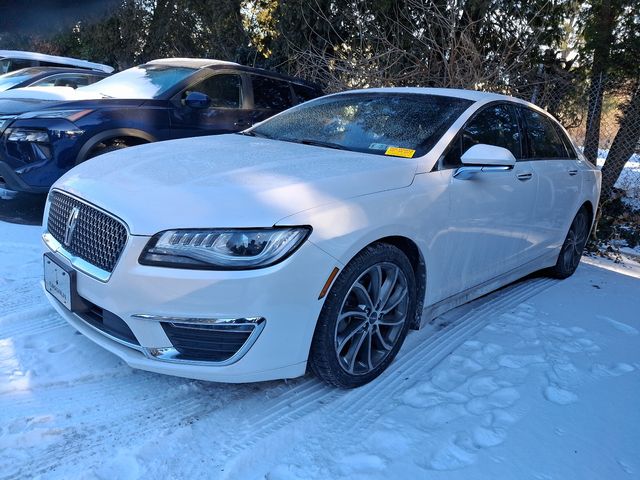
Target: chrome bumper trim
[170, 354]
[76, 262]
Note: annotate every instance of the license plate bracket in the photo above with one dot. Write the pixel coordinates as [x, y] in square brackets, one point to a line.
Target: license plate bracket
[60, 282]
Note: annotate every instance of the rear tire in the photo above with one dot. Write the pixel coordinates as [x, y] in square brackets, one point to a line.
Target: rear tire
[571, 251]
[365, 318]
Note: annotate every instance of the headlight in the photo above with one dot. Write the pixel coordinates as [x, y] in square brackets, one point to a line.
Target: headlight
[223, 249]
[28, 135]
[71, 115]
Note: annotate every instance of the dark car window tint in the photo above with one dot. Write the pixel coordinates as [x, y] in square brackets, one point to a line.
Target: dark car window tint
[305, 93]
[567, 144]
[270, 94]
[378, 123]
[65, 80]
[224, 90]
[495, 125]
[543, 139]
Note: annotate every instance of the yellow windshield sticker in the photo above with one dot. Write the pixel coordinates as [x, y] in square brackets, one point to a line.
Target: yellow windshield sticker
[400, 152]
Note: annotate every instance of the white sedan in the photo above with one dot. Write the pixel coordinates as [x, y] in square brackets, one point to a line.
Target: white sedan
[316, 239]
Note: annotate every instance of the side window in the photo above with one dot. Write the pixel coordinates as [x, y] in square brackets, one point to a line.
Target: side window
[496, 125]
[271, 94]
[568, 145]
[304, 93]
[64, 80]
[224, 90]
[542, 137]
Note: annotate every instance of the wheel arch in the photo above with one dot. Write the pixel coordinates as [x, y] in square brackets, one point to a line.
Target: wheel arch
[133, 135]
[413, 253]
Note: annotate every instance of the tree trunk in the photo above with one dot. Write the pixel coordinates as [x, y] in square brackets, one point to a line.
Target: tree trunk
[623, 146]
[603, 38]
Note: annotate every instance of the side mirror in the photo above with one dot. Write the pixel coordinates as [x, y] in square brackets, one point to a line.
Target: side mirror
[197, 100]
[483, 158]
[488, 155]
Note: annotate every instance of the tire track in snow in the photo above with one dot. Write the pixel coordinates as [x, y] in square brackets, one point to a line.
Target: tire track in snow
[427, 355]
[424, 353]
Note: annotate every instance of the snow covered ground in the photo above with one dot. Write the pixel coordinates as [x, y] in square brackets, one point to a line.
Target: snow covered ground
[538, 381]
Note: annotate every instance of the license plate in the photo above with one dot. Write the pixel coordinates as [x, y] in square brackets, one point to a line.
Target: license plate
[58, 281]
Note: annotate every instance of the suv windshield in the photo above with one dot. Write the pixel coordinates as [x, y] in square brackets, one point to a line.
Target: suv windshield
[142, 82]
[401, 124]
[11, 79]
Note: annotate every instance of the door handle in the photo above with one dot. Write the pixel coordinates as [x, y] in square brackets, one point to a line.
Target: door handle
[573, 172]
[523, 177]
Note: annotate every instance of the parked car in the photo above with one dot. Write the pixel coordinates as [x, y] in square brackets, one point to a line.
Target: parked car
[11, 60]
[50, 77]
[317, 238]
[49, 130]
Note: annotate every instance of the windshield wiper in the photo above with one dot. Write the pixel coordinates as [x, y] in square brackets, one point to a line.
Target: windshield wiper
[252, 134]
[320, 143]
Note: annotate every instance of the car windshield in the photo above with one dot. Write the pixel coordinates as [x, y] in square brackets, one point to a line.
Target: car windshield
[9, 80]
[142, 82]
[398, 124]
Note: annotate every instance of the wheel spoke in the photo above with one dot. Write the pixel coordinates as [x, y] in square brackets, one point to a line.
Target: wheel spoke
[390, 323]
[362, 293]
[382, 341]
[352, 331]
[367, 347]
[399, 294]
[387, 288]
[352, 313]
[375, 285]
[354, 350]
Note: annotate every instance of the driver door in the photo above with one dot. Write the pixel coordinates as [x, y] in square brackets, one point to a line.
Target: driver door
[225, 114]
[491, 212]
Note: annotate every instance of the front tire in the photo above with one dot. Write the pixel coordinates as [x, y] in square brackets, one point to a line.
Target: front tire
[574, 243]
[365, 318]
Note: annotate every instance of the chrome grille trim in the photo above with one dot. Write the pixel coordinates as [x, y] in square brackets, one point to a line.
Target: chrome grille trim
[99, 238]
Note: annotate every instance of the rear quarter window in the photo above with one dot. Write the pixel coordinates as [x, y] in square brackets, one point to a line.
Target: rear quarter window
[271, 94]
[543, 139]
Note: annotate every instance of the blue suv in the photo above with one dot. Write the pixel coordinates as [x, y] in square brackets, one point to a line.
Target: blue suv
[45, 132]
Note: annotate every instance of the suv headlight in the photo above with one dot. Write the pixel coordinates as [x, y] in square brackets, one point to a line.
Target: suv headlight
[28, 135]
[223, 249]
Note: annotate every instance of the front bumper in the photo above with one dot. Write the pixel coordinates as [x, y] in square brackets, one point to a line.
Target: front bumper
[10, 180]
[282, 299]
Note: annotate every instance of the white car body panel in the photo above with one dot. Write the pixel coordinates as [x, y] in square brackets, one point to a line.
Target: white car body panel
[473, 235]
[297, 178]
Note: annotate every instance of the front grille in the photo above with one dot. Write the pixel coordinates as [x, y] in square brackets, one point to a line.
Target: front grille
[98, 238]
[214, 343]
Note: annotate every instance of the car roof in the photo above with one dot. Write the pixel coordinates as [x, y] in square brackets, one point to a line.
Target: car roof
[211, 63]
[73, 62]
[57, 70]
[189, 62]
[473, 95]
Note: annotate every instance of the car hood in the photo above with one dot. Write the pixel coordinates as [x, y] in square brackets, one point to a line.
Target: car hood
[23, 100]
[227, 181]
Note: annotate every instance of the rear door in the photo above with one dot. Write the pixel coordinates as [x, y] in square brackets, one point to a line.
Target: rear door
[227, 112]
[490, 216]
[560, 180]
[270, 96]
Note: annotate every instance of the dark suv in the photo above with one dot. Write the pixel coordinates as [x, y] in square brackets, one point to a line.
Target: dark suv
[45, 133]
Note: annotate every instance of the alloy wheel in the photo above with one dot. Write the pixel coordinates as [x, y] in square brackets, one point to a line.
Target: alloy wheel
[371, 318]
